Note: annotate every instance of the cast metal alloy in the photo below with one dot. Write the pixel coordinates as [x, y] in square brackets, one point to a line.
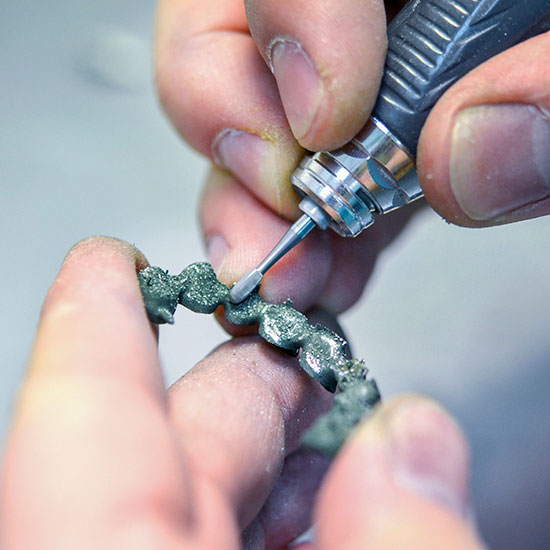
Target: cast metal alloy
[321, 353]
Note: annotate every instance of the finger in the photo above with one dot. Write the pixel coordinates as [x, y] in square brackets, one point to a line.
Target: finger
[324, 269]
[400, 482]
[222, 98]
[327, 58]
[263, 402]
[288, 511]
[240, 231]
[353, 260]
[238, 414]
[484, 153]
[91, 457]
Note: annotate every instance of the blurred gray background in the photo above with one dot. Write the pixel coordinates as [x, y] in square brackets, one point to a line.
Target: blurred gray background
[458, 314]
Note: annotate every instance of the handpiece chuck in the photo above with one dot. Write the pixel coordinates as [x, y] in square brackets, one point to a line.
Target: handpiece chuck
[296, 234]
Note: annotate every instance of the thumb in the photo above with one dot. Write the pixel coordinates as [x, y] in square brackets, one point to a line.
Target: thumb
[401, 482]
[484, 152]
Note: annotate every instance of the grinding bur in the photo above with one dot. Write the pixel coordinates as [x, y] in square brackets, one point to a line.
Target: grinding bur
[297, 233]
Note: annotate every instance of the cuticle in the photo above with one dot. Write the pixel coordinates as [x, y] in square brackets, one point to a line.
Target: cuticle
[281, 39]
[214, 148]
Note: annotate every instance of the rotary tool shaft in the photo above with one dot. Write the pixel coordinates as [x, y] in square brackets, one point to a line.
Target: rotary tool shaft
[296, 234]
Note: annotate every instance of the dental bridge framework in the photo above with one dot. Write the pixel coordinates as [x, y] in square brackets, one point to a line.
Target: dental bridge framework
[321, 352]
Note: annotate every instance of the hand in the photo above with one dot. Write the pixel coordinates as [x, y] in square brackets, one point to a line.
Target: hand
[100, 456]
[214, 80]
[483, 157]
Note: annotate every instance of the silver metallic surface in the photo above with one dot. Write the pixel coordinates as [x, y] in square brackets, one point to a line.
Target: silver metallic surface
[245, 286]
[296, 234]
[315, 212]
[372, 173]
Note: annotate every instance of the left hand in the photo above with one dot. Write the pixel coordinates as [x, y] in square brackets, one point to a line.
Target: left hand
[100, 456]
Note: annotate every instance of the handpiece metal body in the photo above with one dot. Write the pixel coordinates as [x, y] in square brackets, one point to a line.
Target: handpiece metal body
[372, 173]
[431, 44]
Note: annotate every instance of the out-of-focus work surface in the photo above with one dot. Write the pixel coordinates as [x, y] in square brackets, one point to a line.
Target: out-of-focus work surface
[461, 315]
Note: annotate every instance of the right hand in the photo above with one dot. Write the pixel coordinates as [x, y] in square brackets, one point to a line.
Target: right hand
[212, 68]
[483, 156]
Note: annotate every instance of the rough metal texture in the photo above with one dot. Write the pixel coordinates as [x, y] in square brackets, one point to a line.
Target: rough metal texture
[321, 352]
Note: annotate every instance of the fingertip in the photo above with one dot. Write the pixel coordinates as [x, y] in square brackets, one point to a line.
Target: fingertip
[263, 164]
[482, 155]
[327, 79]
[403, 476]
[107, 246]
[94, 310]
[240, 124]
[427, 450]
[96, 267]
[493, 169]
[325, 109]
[499, 160]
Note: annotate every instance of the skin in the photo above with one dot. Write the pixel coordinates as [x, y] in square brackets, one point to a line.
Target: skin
[135, 466]
[322, 353]
[518, 75]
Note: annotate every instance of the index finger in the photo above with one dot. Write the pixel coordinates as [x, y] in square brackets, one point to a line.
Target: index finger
[221, 97]
[91, 457]
[94, 455]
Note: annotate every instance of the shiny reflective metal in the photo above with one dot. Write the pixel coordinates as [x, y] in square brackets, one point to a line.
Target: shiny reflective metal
[431, 44]
[299, 230]
[372, 173]
[342, 189]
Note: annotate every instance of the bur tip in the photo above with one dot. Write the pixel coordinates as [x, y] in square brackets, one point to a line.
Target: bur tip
[245, 286]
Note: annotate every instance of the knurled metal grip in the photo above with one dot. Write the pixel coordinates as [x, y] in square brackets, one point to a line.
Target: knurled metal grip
[431, 44]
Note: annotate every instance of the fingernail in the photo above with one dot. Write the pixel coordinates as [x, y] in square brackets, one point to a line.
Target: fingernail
[428, 455]
[218, 249]
[299, 82]
[500, 159]
[242, 153]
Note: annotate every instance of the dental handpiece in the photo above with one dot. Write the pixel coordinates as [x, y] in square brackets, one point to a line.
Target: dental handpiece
[431, 44]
